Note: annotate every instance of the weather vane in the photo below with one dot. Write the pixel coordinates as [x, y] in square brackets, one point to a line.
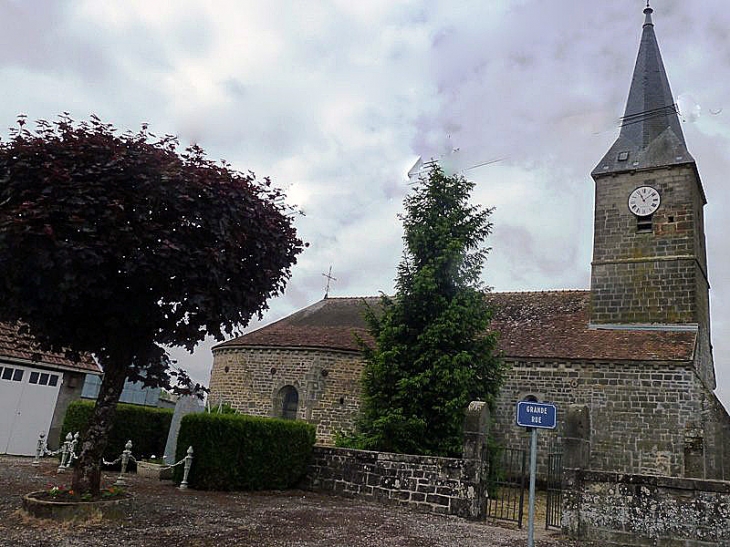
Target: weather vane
[329, 279]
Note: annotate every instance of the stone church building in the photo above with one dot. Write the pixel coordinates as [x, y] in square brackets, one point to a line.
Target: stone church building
[634, 349]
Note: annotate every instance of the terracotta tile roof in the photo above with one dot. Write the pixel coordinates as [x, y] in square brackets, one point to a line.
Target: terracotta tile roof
[554, 324]
[15, 346]
[332, 323]
[531, 325]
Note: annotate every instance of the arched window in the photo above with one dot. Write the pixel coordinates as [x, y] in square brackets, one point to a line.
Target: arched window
[289, 398]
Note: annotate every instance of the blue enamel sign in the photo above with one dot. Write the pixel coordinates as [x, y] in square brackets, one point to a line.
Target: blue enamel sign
[539, 415]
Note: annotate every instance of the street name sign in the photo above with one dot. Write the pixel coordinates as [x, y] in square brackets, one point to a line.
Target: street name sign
[538, 415]
[534, 416]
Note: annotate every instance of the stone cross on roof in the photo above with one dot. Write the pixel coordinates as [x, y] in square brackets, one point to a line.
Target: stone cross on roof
[329, 279]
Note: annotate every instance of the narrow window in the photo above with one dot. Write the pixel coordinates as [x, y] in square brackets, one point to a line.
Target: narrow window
[644, 224]
[18, 375]
[289, 402]
[53, 380]
[7, 373]
[33, 378]
[44, 379]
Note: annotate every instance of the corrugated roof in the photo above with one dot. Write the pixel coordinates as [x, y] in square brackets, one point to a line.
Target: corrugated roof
[531, 325]
[16, 346]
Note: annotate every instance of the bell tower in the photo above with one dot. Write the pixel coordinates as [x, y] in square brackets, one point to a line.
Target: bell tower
[649, 268]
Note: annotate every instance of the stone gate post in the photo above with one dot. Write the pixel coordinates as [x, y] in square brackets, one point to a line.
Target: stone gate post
[576, 458]
[475, 456]
[577, 437]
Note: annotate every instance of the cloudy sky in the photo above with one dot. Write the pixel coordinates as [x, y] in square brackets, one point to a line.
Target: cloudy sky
[336, 99]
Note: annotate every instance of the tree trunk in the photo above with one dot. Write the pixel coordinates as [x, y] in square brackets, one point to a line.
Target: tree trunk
[87, 473]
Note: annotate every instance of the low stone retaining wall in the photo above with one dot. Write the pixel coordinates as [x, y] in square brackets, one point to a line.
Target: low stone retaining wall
[437, 485]
[446, 486]
[642, 510]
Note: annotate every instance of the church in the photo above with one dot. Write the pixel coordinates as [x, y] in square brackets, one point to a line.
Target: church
[634, 350]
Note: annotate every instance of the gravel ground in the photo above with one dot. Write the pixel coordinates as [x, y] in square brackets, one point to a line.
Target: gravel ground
[165, 516]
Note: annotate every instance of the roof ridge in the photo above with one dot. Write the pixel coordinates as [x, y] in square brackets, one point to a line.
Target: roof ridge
[542, 291]
[348, 297]
[549, 291]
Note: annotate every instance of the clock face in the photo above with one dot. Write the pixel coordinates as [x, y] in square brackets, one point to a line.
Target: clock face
[644, 201]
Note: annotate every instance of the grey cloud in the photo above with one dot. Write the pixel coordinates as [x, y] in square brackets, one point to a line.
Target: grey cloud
[333, 100]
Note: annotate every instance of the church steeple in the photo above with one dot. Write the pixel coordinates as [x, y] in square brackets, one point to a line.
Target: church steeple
[651, 134]
[649, 268]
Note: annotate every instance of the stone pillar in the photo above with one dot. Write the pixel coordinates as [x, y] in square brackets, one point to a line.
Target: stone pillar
[577, 438]
[576, 458]
[572, 498]
[186, 404]
[475, 456]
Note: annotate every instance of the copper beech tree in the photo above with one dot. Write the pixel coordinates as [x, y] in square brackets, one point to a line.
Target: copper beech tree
[119, 245]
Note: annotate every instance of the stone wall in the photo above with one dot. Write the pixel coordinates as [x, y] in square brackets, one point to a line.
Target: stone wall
[643, 510]
[435, 485]
[645, 417]
[446, 486]
[717, 439]
[653, 276]
[327, 382]
[653, 417]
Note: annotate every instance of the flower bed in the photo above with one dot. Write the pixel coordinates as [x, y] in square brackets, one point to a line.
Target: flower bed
[154, 470]
[59, 503]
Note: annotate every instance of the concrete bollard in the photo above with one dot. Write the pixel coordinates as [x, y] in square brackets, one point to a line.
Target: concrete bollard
[186, 470]
[40, 450]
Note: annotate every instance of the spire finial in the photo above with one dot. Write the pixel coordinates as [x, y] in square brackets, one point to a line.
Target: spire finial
[648, 11]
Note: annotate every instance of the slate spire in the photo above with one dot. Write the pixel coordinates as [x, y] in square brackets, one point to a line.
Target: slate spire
[651, 134]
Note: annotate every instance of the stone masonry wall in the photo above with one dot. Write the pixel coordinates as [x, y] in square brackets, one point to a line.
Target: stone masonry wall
[653, 418]
[327, 382]
[655, 291]
[704, 362]
[649, 277]
[641, 510]
[434, 485]
[717, 440]
[645, 417]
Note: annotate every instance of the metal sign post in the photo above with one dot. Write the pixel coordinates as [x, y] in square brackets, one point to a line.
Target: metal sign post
[534, 416]
[531, 502]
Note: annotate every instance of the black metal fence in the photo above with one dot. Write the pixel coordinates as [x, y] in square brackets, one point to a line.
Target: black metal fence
[554, 502]
[507, 481]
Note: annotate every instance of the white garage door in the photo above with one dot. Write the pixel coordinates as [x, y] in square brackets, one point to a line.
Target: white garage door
[27, 400]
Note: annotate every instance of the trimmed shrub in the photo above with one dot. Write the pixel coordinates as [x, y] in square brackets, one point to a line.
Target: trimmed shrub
[239, 452]
[147, 428]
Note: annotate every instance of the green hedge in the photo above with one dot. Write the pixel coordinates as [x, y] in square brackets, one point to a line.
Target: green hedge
[238, 452]
[147, 428]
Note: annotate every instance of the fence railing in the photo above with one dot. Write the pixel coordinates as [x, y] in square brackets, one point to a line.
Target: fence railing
[68, 456]
[507, 481]
[67, 451]
[554, 498]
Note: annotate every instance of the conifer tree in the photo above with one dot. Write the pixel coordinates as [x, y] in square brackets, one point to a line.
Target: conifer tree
[433, 352]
